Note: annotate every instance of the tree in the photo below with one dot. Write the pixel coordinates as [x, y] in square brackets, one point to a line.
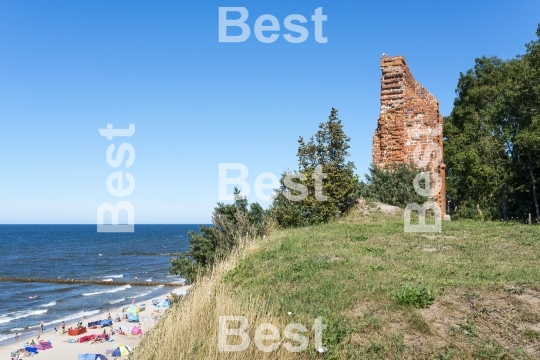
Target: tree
[528, 109]
[232, 224]
[492, 138]
[332, 187]
[392, 185]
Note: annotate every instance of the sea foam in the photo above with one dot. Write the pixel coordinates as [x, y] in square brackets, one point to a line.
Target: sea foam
[147, 292]
[78, 315]
[19, 315]
[116, 301]
[116, 289]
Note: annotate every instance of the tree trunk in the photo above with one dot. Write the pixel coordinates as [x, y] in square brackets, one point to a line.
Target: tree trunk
[479, 211]
[533, 182]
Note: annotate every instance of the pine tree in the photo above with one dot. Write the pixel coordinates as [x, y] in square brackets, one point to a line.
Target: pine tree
[332, 186]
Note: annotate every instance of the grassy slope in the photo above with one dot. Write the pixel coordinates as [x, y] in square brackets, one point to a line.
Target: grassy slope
[486, 276]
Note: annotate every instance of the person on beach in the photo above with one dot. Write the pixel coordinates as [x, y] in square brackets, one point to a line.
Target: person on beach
[38, 334]
[133, 301]
[63, 326]
[16, 336]
[83, 311]
[41, 324]
[109, 317]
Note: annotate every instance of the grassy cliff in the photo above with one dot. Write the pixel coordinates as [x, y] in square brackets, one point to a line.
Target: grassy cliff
[483, 276]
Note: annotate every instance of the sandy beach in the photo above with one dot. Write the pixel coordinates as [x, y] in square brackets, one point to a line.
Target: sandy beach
[62, 350]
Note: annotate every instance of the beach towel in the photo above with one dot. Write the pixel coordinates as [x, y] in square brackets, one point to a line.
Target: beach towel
[31, 349]
[92, 337]
[44, 345]
[136, 331]
[86, 338]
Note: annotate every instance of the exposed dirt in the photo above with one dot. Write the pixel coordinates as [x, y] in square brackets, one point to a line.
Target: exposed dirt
[503, 322]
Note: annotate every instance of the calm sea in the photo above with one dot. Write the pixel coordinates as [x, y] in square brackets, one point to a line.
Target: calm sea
[72, 251]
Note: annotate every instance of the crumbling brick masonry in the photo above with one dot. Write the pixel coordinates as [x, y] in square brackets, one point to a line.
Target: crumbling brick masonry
[409, 116]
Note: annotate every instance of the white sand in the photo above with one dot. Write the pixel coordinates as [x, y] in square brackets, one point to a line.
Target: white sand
[67, 351]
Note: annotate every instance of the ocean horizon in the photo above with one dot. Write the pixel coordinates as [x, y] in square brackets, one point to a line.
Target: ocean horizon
[78, 251]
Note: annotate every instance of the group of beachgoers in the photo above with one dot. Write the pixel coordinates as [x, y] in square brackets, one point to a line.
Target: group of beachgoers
[110, 329]
[31, 348]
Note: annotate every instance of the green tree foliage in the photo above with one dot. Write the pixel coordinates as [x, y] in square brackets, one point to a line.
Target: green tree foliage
[231, 224]
[492, 138]
[327, 150]
[392, 185]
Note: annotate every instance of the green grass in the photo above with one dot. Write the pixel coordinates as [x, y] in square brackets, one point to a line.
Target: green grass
[349, 272]
[418, 296]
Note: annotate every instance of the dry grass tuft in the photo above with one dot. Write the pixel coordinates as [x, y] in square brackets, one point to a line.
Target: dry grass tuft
[189, 330]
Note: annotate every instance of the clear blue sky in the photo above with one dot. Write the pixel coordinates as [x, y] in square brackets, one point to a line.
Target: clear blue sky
[68, 68]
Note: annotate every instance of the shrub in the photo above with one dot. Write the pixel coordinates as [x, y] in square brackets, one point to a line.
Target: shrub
[418, 296]
[231, 224]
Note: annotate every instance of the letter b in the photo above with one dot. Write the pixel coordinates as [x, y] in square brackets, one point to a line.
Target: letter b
[114, 227]
[422, 226]
[240, 331]
[224, 23]
[224, 180]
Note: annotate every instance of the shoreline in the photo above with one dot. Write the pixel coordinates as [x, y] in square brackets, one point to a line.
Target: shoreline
[108, 282]
[71, 350]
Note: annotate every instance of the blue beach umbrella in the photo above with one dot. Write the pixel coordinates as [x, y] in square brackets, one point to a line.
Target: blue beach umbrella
[91, 357]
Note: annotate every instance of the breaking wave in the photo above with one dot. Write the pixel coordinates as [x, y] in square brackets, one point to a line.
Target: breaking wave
[120, 288]
[19, 315]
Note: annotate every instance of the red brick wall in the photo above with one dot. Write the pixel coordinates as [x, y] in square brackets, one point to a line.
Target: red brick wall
[409, 117]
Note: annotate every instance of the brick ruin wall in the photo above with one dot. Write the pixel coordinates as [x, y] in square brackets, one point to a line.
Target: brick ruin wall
[409, 117]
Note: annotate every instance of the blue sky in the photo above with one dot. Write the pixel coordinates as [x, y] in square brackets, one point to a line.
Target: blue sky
[68, 68]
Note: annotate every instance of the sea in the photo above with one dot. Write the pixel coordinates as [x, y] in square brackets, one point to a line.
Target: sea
[80, 252]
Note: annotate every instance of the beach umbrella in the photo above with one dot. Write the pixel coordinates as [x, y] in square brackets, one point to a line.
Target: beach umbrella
[133, 318]
[91, 357]
[132, 310]
[121, 350]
